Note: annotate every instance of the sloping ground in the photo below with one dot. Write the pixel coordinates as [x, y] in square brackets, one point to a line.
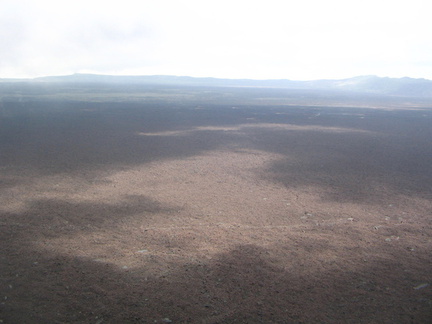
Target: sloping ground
[130, 214]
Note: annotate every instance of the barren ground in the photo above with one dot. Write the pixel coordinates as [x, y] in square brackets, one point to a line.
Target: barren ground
[214, 213]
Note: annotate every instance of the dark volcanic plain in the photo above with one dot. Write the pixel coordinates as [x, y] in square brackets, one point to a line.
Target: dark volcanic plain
[146, 204]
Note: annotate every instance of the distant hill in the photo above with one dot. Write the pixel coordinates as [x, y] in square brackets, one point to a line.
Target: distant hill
[407, 87]
[391, 86]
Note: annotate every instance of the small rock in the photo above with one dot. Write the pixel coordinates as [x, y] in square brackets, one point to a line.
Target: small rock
[350, 219]
[166, 320]
[423, 285]
[142, 251]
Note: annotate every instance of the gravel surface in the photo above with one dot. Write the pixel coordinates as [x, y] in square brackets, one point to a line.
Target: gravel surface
[215, 214]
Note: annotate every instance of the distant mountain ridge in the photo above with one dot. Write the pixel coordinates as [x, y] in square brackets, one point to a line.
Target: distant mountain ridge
[407, 87]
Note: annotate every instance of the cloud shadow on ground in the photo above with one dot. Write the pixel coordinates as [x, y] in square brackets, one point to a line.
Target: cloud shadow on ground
[245, 284]
[392, 152]
[344, 149]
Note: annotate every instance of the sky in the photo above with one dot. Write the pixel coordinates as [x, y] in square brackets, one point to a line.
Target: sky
[266, 39]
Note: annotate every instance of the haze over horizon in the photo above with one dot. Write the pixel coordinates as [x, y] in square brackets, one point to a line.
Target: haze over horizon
[308, 40]
[116, 77]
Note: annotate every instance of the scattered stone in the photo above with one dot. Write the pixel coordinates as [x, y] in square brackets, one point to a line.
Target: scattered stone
[423, 285]
[396, 238]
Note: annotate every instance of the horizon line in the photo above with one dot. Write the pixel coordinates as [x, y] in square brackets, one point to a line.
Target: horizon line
[202, 77]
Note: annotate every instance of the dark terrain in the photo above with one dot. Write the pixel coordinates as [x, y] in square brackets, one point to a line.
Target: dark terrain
[158, 204]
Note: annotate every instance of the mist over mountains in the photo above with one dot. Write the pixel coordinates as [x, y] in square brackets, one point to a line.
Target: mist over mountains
[405, 87]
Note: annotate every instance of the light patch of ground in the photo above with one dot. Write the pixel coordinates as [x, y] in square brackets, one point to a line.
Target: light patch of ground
[244, 127]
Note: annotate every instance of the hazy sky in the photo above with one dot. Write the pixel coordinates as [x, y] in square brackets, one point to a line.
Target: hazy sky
[299, 40]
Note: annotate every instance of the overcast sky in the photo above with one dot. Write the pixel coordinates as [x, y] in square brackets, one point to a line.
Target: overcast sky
[298, 40]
